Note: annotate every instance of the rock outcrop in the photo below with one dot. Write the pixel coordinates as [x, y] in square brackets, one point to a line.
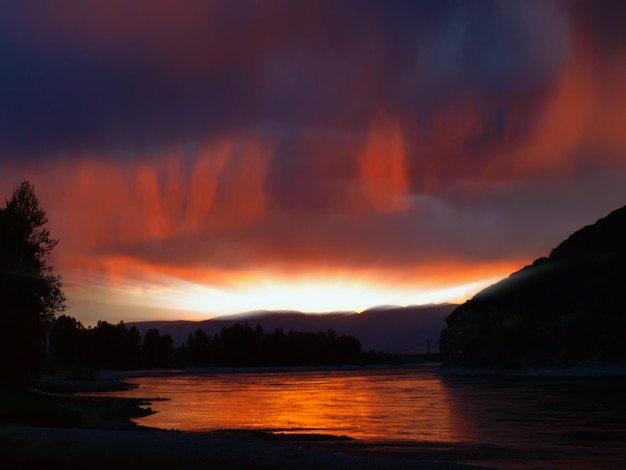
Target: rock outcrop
[567, 310]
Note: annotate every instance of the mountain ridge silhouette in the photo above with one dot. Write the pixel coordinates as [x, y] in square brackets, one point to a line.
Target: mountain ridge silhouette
[388, 329]
[562, 311]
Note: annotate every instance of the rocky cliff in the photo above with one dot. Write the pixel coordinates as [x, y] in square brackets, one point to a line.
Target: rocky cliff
[566, 310]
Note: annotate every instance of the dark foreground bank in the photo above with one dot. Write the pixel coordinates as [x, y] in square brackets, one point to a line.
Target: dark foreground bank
[35, 447]
[57, 403]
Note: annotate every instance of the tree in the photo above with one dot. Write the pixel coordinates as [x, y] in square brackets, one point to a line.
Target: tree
[157, 349]
[133, 348]
[67, 340]
[30, 294]
[198, 348]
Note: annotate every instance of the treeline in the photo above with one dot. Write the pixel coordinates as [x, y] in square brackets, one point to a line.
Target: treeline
[241, 345]
[32, 298]
[108, 346]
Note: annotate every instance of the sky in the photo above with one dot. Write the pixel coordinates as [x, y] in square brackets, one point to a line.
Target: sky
[199, 158]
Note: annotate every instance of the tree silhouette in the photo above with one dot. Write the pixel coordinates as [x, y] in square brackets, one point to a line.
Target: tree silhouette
[67, 340]
[107, 345]
[198, 347]
[241, 345]
[104, 346]
[30, 294]
[157, 349]
[133, 349]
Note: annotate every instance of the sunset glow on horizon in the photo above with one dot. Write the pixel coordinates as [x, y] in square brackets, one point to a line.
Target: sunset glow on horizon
[201, 300]
[198, 159]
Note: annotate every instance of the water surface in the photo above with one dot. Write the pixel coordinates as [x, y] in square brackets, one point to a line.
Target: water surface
[414, 404]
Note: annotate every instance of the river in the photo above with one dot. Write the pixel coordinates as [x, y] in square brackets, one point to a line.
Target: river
[395, 404]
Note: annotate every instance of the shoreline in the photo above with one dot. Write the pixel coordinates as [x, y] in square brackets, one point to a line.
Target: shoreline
[124, 374]
[107, 437]
[609, 370]
[52, 402]
[119, 377]
[67, 386]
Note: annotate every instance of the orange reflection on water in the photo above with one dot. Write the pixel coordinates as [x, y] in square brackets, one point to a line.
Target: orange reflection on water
[404, 404]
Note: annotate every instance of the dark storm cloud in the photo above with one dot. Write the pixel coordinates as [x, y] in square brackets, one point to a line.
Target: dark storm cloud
[62, 101]
[602, 24]
[105, 75]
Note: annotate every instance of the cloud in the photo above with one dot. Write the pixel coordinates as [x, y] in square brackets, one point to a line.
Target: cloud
[112, 75]
[207, 138]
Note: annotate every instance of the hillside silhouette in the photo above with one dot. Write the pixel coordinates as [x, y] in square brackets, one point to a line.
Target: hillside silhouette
[388, 329]
[564, 310]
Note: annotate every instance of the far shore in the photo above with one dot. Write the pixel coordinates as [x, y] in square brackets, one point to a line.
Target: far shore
[606, 370]
[127, 374]
[121, 377]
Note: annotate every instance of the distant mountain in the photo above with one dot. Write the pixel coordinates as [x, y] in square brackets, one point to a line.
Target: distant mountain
[566, 310]
[389, 329]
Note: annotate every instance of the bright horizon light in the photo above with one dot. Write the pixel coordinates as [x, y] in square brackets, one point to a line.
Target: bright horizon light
[197, 301]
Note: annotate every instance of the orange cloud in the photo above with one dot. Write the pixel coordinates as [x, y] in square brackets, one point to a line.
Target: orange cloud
[383, 170]
[243, 182]
[203, 185]
[581, 123]
[610, 119]
[95, 204]
[564, 124]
